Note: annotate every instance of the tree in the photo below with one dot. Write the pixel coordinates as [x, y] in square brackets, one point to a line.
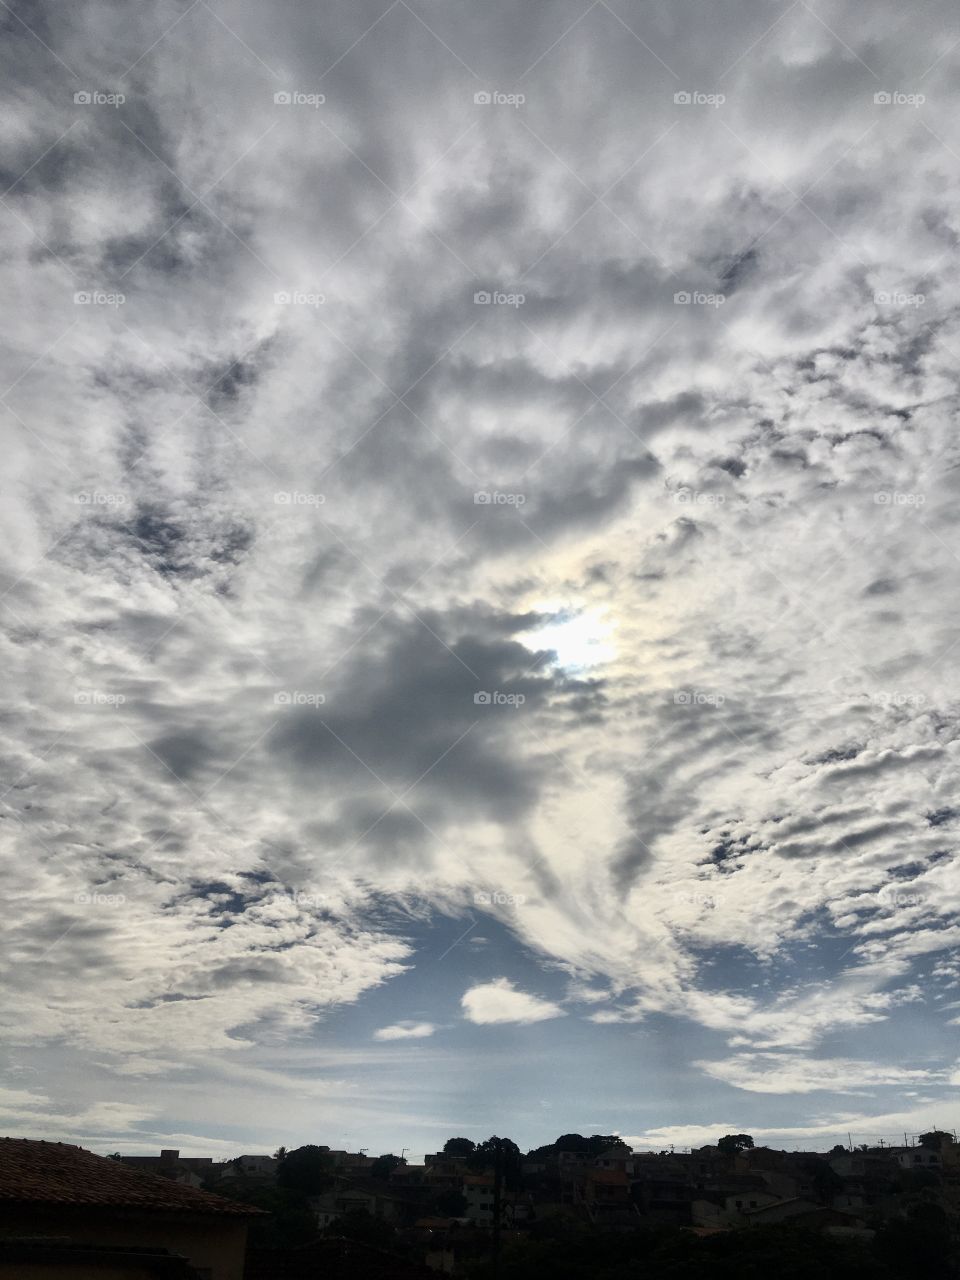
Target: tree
[459, 1147]
[733, 1143]
[935, 1139]
[280, 1155]
[307, 1169]
[383, 1166]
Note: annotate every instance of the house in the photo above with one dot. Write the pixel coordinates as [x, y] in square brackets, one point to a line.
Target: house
[54, 1259]
[54, 1192]
[478, 1193]
[262, 1167]
[781, 1210]
[192, 1171]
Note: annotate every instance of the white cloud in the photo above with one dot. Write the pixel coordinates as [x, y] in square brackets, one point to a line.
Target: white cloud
[500, 1001]
[405, 1031]
[794, 1073]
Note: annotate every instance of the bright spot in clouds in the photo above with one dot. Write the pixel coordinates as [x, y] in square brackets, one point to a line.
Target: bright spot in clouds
[579, 639]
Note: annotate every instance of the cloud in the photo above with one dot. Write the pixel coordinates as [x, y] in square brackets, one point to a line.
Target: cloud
[500, 1001]
[405, 1031]
[788, 1074]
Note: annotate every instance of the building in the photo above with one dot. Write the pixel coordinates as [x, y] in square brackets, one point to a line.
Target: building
[60, 1194]
[190, 1170]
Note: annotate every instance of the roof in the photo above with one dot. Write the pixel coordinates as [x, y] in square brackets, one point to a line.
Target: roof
[56, 1173]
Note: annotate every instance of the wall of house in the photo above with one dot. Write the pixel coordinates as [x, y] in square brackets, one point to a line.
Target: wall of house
[213, 1245]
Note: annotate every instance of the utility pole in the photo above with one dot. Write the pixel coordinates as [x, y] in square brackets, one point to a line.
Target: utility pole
[497, 1193]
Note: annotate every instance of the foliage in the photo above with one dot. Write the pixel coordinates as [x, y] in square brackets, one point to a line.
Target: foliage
[459, 1147]
[732, 1143]
[308, 1170]
[384, 1165]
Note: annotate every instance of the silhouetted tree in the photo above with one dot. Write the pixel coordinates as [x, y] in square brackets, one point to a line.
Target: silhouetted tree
[732, 1143]
[307, 1169]
[459, 1147]
[935, 1139]
[383, 1166]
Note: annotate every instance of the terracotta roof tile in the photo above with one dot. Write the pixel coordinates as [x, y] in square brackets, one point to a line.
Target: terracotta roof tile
[56, 1173]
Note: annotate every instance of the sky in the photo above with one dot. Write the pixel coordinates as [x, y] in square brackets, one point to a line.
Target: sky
[478, 572]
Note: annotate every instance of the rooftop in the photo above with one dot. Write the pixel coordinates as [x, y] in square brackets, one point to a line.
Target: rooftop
[56, 1173]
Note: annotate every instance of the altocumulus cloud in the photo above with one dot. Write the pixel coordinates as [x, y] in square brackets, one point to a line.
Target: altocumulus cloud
[290, 520]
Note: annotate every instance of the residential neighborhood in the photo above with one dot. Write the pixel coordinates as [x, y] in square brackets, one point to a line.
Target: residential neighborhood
[476, 1209]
